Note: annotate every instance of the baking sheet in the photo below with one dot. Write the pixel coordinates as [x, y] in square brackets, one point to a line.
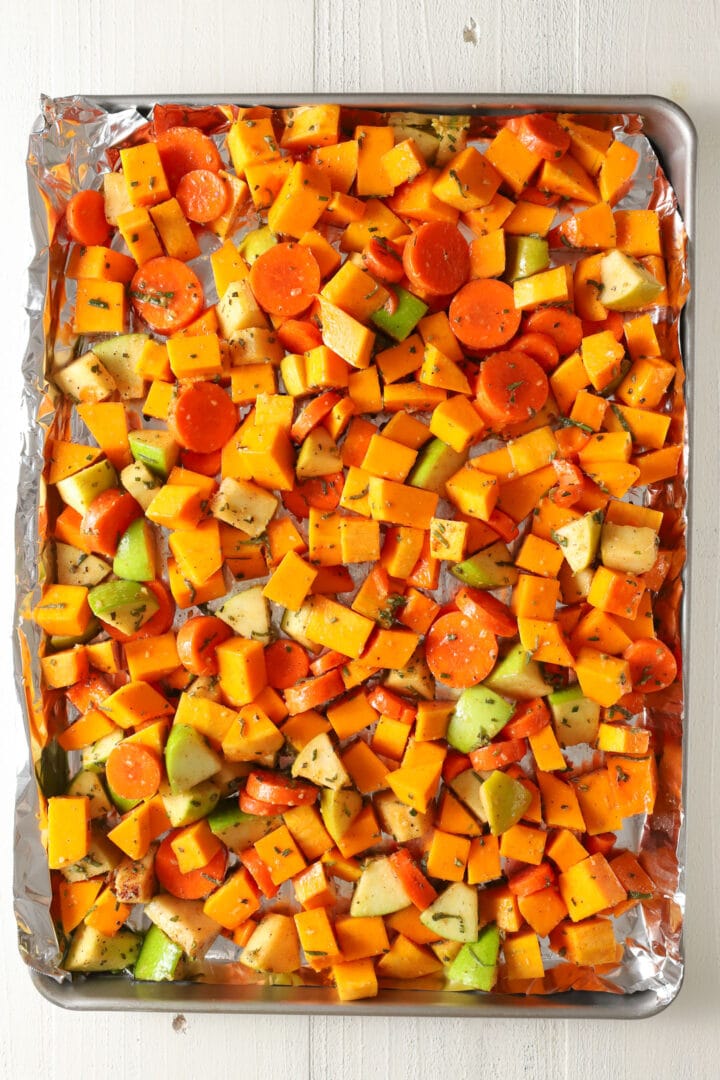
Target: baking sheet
[71, 137]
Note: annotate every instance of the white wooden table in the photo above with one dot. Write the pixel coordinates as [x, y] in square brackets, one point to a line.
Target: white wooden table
[116, 46]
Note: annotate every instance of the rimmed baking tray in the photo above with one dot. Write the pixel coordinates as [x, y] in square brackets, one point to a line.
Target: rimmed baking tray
[673, 138]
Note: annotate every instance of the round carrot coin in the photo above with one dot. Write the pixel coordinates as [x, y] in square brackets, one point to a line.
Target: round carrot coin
[541, 347]
[185, 149]
[652, 665]
[286, 663]
[383, 260]
[197, 640]
[511, 387]
[202, 417]
[166, 294]
[133, 771]
[203, 195]
[565, 329]
[285, 279]
[459, 652]
[487, 610]
[436, 258]
[274, 788]
[195, 885]
[483, 314]
[85, 218]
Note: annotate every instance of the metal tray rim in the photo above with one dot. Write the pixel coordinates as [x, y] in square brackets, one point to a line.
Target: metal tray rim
[89, 995]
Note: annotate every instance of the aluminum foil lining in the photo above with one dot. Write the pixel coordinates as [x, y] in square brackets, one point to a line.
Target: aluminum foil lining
[73, 142]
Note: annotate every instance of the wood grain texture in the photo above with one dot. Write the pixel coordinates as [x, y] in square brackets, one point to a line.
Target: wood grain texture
[121, 46]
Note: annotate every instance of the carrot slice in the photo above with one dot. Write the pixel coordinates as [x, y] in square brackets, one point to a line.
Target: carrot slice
[274, 788]
[202, 417]
[541, 347]
[286, 663]
[184, 149]
[652, 665]
[319, 492]
[543, 136]
[299, 335]
[133, 771]
[614, 322]
[486, 610]
[166, 294]
[483, 314]
[498, 754]
[511, 387]
[248, 805]
[109, 515]
[313, 414]
[89, 692]
[197, 640]
[383, 260]
[532, 880]
[313, 693]
[285, 279]
[416, 884]
[562, 326]
[207, 464]
[436, 258]
[160, 623]
[329, 660]
[455, 763]
[85, 218]
[203, 195]
[250, 859]
[459, 652]
[570, 483]
[195, 885]
[529, 718]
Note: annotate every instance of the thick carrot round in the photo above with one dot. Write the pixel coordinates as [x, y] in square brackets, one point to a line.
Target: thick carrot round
[319, 492]
[314, 693]
[273, 787]
[85, 217]
[252, 862]
[532, 880]
[202, 417]
[195, 885]
[197, 640]
[286, 663]
[565, 329]
[160, 622]
[166, 294]
[185, 149]
[436, 259]
[329, 660]
[600, 844]
[259, 808]
[498, 754]
[417, 886]
[133, 771]
[383, 260]
[570, 483]
[299, 335]
[285, 279]
[313, 414]
[529, 718]
[109, 515]
[203, 195]
[511, 387]
[483, 314]
[487, 611]
[207, 464]
[613, 322]
[543, 136]
[540, 346]
[459, 652]
[652, 665]
[454, 764]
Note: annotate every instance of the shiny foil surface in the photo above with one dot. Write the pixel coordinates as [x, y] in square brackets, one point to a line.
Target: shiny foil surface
[74, 142]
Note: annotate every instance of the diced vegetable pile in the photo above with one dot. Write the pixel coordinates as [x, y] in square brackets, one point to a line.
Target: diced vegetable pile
[356, 604]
